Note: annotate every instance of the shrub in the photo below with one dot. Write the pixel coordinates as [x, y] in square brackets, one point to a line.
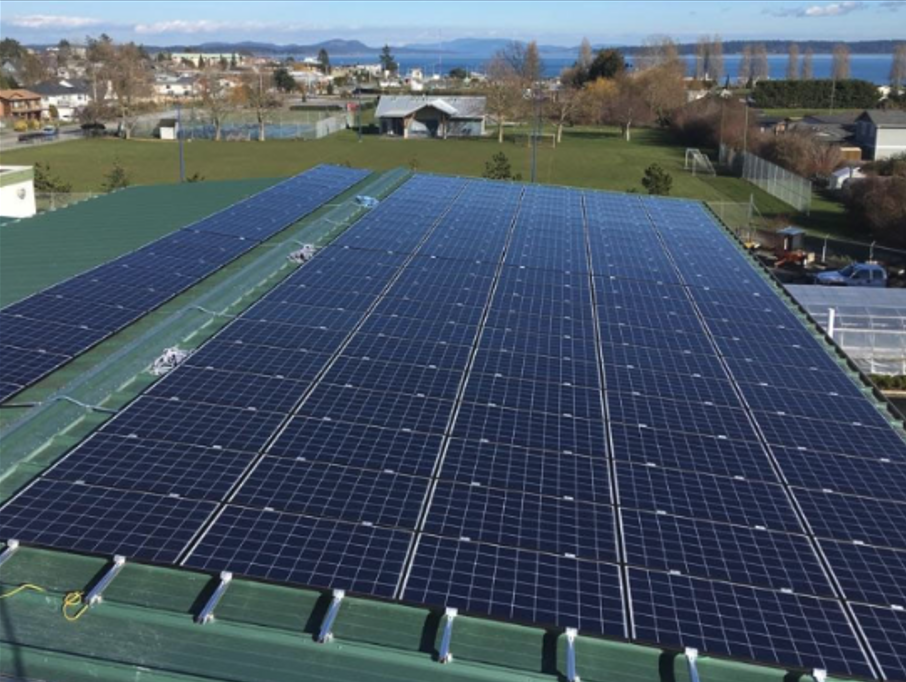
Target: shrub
[807, 94]
[116, 178]
[657, 181]
[499, 168]
[879, 203]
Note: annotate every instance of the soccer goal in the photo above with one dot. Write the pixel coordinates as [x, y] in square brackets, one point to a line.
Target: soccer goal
[696, 162]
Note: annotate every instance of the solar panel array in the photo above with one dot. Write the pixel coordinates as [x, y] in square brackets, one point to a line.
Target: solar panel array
[45, 331]
[551, 406]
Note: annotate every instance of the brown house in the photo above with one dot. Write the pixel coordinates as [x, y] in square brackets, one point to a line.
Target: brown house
[20, 104]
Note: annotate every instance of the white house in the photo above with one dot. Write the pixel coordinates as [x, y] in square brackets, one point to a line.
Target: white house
[881, 133]
[67, 96]
[168, 86]
[17, 192]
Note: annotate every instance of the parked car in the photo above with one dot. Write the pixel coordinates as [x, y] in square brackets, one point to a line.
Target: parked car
[49, 131]
[855, 275]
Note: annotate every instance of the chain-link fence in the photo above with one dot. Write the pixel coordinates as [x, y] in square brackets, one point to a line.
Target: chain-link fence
[239, 126]
[778, 182]
[51, 201]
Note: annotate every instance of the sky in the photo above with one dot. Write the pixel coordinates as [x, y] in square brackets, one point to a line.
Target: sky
[399, 23]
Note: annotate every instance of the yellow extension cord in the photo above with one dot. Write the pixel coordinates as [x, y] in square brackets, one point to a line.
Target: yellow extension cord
[70, 601]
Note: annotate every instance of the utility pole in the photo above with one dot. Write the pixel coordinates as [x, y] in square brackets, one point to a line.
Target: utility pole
[537, 96]
[833, 88]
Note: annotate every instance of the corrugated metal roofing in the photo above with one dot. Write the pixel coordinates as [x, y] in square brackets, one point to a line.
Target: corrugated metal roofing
[456, 107]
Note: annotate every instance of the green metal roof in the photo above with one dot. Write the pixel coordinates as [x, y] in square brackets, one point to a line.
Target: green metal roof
[38, 252]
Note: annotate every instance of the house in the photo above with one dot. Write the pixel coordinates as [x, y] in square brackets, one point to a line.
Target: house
[67, 96]
[168, 86]
[407, 116]
[20, 104]
[200, 59]
[881, 133]
[841, 176]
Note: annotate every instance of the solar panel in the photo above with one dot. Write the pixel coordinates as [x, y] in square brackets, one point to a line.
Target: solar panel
[380, 498]
[733, 620]
[103, 520]
[517, 585]
[719, 551]
[109, 297]
[886, 633]
[289, 548]
[440, 425]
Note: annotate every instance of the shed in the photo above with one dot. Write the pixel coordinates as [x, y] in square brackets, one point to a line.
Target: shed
[167, 129]
[407, 116]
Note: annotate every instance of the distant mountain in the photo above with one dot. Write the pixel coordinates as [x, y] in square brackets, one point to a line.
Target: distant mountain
[336, 47]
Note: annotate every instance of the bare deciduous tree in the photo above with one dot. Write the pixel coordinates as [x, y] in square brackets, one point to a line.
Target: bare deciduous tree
[586, 55]
[627, 108]
[759, 62]
[792, 65]
[215, 98]
[503, 90]
[898, 67]
[745, 65]
[660, 81]
[256, 94]
[808, 65]
[130, 80]
[841, 62]
[562, 105]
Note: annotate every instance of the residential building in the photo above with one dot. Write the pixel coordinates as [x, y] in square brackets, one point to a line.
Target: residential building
[20, 104]
[67, 96]
[407, 116]
[202, 58]
[168, 86]
[881, 133]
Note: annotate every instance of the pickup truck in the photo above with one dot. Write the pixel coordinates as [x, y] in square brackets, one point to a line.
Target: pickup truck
[855, 275]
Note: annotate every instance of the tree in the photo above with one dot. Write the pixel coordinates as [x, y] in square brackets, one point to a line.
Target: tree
[562, 105]
[879, 203]
[502, 91]
[215, 99]
[130, 78]
[234, 63]
[53, 112]
[255, 94]
[224, 63]
[201, 62]
[283, 80]
[841, 62]
[64, 52]
[898, 67]
[31, 69]
[792, 65]
[95, 112]
[745, 67]
[627, 107]
[532, 66]
[46, 181]
[607, 64]
[759, 63]
[499, 168]
[324, 61]
[388, 63]
[586, 56]
[459, 73]
[115, 178]
[808, 65]
[657, 181]
[716, 59]
[661, 78]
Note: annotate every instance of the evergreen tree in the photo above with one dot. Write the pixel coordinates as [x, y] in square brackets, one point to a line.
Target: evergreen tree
[499, 168]
[657, 181]
[388, 63]
[116, 178]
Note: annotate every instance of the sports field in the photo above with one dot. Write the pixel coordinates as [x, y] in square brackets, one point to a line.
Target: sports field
[597, 158]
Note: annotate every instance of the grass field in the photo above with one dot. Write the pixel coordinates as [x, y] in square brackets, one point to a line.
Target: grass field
[596, 158]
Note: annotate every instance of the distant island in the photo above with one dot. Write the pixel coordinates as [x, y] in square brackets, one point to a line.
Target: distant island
[486, 47]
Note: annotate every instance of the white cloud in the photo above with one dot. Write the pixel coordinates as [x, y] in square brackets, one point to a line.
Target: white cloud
[834, 9]
[203, 26]
[51, 22]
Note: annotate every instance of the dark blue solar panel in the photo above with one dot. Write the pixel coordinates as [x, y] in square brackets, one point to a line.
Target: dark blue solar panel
[873, 575]
[394, 377]
[266, 361]
[289, 337]
[363, 496]
[103, 520]
[855, 519]
[885, 629]
[743, 622]
[719, 551]
[289, 548]
[881, 477]
[205, 473]
[517, 585]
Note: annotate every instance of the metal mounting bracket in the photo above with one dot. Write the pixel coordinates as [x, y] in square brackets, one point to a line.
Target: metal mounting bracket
[207, 613]
[691, 658]
[571, 635]
[819, 675]
[326, 633]
[12, 546]
[444, 655]
[96, 593]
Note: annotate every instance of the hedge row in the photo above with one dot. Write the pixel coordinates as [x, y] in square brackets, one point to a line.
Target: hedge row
[809, 94]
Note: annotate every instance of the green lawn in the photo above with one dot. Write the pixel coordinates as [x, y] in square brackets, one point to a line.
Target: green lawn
[596, 158]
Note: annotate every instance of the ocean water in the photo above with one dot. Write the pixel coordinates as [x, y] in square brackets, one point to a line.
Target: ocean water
[871, 67]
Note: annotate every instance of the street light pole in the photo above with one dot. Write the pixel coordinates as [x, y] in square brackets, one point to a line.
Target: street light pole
[182, 160]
